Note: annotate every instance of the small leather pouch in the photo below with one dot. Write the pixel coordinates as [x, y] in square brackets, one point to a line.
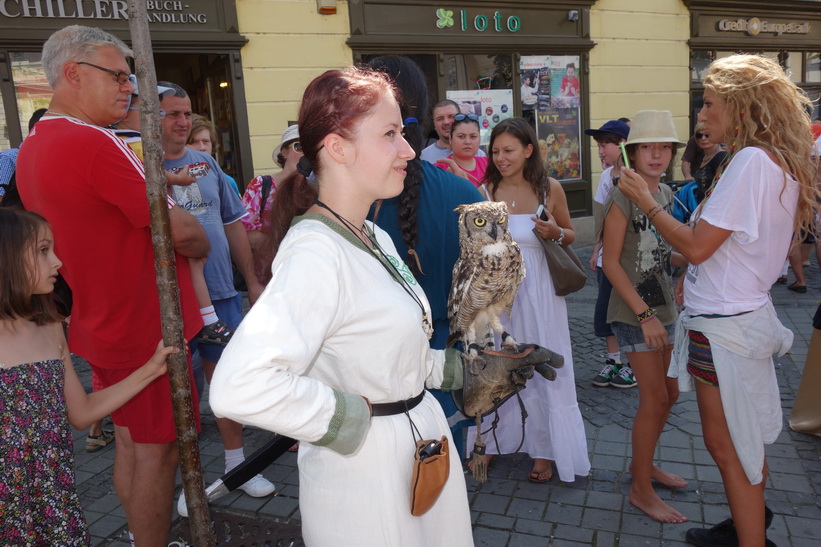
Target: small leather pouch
[431, 468]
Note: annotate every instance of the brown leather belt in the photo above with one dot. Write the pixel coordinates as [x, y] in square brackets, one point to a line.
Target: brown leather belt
[399, 407]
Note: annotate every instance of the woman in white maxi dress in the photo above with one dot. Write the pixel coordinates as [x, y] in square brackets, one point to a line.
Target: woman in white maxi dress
[554, 429]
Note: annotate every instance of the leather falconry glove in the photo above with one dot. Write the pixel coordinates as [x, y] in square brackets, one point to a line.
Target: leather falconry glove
[491, 378]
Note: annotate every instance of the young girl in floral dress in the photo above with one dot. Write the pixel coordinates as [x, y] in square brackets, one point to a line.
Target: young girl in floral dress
[40, 394]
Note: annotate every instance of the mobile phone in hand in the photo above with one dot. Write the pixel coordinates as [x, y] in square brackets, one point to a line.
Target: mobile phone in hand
[624, 155]
[541, 213]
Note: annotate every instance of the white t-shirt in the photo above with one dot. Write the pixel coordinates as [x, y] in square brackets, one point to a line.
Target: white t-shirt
[605, 187]
[752, 201]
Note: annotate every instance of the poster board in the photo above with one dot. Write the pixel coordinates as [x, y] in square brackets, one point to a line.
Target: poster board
[555, 109]
[491, 106]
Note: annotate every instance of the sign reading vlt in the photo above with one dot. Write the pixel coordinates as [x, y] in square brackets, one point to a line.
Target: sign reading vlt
[480, 22]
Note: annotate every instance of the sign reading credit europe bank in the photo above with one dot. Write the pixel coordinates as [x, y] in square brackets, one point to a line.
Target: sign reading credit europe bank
[159, 11]
[754, 26]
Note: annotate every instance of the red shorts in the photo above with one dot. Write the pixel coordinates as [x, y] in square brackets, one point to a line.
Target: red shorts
[149, 415]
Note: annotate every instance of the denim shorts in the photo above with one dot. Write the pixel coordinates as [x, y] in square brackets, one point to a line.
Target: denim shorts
[631, 337]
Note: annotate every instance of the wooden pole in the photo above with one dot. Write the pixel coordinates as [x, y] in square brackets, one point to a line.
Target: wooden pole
[164, 261]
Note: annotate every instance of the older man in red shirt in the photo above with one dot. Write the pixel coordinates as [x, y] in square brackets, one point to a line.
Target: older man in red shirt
[91, 188]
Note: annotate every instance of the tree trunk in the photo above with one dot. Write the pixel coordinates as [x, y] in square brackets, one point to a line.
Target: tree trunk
[164, 261]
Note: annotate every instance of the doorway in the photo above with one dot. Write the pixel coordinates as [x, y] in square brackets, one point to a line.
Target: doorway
[207, 79]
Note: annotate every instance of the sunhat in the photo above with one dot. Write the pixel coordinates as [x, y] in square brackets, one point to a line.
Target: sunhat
[613, 126]
[290, 134]
[653, 126]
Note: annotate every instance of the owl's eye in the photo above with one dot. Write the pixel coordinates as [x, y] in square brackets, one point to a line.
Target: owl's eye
[503, 220]
[479, 222]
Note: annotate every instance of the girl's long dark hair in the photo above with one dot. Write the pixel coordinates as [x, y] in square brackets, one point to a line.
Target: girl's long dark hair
[413, 103]
[19, 232]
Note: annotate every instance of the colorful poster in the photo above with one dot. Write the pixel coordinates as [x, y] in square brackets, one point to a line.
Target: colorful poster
[555, 112]
[565, 84]
[558, 130]
[533, 75]
[490, 105]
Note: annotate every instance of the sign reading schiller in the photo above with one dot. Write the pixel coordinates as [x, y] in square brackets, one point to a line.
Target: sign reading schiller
[160, 11]
[754, 26]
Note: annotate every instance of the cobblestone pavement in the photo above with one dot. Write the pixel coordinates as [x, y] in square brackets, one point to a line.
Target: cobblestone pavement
[509, 511]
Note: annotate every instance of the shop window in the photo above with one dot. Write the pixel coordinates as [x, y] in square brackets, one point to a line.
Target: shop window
[699, 62]
[5, 136]
[793, 65]
[815, 96]
[31, 88]
[813, 67]
[543, 89]
[481, 85]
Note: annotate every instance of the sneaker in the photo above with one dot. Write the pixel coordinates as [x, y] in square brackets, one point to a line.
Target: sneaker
[610, 369]
[624, 378]
[258, 487]
[182, 507]
[97, 442]
[216, 333]
[722, 534]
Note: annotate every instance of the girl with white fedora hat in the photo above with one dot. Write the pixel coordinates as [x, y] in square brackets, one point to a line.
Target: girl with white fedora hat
[642, 310]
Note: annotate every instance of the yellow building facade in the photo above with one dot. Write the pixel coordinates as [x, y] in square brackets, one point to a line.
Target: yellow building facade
[245, 63]
[289, 44]
[640, 61]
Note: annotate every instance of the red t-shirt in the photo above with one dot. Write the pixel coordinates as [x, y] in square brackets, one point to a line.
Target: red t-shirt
[90, 186]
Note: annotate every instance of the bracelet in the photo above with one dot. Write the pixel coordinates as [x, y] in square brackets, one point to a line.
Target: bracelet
[651, 214]
[559, 239]
[646, 315]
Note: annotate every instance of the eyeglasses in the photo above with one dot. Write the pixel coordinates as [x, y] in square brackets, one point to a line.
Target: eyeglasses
[701, 136]
[471, 117]
[137, 108]
[296, 145]
[121, 77]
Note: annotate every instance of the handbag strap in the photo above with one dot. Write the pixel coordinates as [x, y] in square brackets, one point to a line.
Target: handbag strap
[267, 184]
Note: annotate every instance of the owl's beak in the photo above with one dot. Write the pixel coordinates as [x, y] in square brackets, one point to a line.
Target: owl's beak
[493, 230]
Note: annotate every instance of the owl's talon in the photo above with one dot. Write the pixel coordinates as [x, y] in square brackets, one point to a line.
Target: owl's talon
[509, 344]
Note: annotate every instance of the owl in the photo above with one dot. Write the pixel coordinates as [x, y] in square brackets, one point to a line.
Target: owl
[486, 276]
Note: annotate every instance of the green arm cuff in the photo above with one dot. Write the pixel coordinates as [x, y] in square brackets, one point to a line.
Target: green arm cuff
[348, 425]
[452, 373]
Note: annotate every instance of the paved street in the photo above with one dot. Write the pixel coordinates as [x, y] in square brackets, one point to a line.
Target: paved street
[510, 511]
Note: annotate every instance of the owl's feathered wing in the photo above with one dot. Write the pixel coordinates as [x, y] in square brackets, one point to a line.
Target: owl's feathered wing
[483, 286]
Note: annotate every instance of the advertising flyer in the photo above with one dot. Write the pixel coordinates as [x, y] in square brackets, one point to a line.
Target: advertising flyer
[555, 110]
[490, 105]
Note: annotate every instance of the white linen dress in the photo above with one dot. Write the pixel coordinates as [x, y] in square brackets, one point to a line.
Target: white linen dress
[330, 327]
[554, 427]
